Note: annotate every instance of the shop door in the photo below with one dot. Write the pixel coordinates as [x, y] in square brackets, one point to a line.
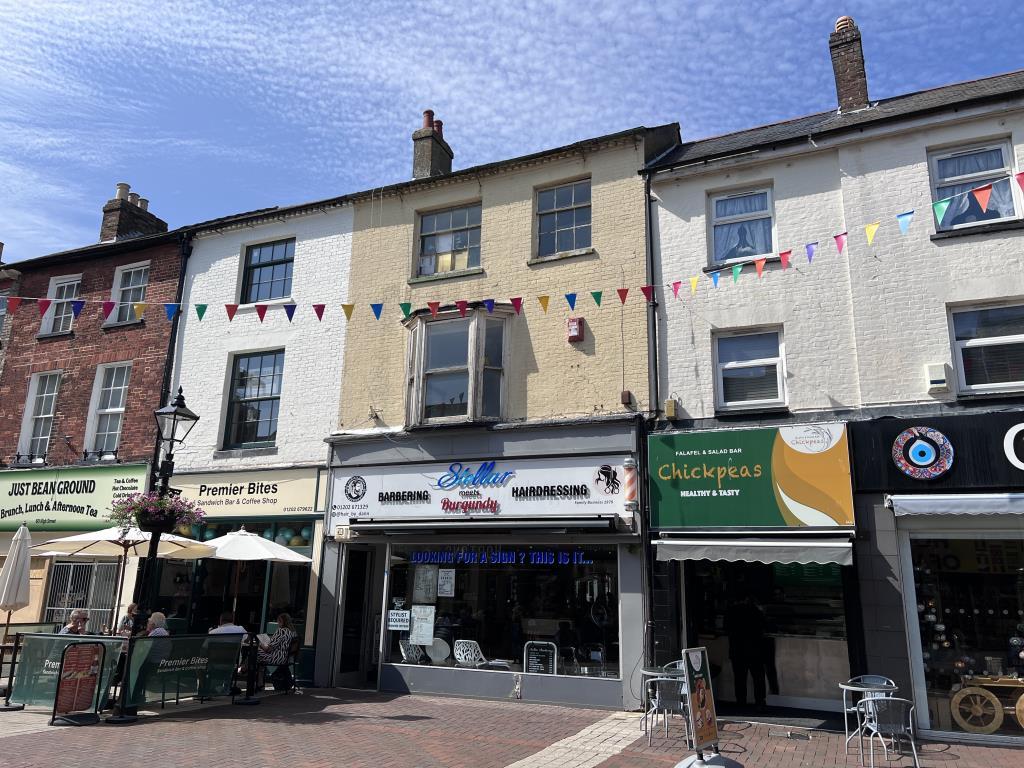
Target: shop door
[356, 668]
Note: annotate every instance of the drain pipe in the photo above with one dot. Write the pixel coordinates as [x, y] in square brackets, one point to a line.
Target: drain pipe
[654, 408]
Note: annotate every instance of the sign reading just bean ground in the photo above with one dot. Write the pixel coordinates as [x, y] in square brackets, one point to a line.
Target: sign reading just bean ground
[66, 499]
[796, 476]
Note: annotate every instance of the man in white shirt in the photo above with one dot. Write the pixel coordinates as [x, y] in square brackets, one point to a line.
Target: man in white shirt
[227, 625]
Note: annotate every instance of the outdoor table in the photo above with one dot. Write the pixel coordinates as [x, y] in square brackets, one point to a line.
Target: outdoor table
[864, 690]
[656, 672]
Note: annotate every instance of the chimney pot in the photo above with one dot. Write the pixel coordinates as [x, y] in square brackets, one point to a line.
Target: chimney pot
[122, 191]
[133, 198]
[143, 203]
[848, 65]
[428, 118]
[439, 128]
[431, 155]
[127, 216]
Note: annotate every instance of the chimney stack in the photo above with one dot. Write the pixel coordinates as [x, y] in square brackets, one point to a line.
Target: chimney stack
[127, 215]
[848, 65]
[431, 155]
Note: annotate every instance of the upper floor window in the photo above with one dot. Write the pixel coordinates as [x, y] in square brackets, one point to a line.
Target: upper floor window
[254, 400]
[3, 308]
[109, 398]
[457, 368]
[62, 291]
[40, 408]
[268, 271]
[741, 225]
[750, 370]
[130, 283]
[563, 219]
[989, 348]
[956, 172]
[449, 240]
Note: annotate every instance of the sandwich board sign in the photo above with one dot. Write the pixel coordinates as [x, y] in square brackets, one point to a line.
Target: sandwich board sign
[703, 720]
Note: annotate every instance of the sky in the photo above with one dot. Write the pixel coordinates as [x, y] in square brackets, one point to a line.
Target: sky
[213, 108]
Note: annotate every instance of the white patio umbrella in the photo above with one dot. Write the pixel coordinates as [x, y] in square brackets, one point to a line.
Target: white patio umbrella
[123, 543]
[242, 545]
[14, 578]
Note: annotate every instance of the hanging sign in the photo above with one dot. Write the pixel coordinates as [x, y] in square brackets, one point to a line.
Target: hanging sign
[703, 720]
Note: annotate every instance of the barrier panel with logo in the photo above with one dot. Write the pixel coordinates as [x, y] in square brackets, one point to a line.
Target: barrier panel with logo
[38, 671]
[162, 668]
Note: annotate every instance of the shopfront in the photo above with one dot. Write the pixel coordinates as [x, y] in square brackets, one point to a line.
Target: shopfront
[752, 531]
[62, 501]
[500, 576]
[953, 489]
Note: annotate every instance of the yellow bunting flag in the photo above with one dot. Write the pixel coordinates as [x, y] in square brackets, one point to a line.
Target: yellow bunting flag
[347, 309]
[693, 285]
[140, 309]
[544, 302]
[870, 230]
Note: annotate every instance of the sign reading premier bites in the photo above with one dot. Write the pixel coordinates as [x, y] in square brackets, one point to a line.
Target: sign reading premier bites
[267, 492]
[563, 487]
[68, 498]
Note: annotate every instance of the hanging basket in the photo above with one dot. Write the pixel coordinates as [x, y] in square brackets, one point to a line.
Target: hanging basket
[155, 523]
[152, 513]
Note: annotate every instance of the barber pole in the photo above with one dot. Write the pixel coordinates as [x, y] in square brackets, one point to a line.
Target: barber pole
[629, 483]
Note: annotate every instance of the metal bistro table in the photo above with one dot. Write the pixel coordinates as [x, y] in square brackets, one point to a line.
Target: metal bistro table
[651, 672]
[865, 690]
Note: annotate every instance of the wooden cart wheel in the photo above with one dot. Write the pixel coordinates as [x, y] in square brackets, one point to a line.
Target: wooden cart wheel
[977, 710]
[1019, 710]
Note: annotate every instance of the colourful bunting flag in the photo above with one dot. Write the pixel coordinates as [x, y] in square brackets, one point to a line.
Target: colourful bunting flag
[43, 304]
[982, 194]
[108, 307]
[377, 309]
[434, 306]
[462, 305]
[347, 309]
[939, 208]
[489, 304]
[736, 269]
[675, 288]
[406, 308]
[544, 302]
[810, 248]
[784, 258]
[759, 265]
[570, 299]
[289, 309]
[840, 241]
[76, 307]
[261, 311]
[200, 311]
[693, 285]
[140, 309]
[1020, 179]
[171, 310]
[319, 309]
[623, 293]
[904, 219]
[231, 309]
[13, 302]
[648, 292]
[714, 278]
[517, 303]
[597, 297]
[870, 230]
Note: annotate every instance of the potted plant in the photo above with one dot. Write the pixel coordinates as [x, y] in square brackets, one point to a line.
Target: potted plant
[148, 512]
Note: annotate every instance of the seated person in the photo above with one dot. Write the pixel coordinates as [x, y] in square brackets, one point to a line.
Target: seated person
[227, 625]
[157, 625]
[275, 652]
[76, 623]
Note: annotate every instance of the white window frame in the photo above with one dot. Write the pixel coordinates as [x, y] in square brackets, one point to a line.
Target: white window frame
[1009, 160]
[417, 363]
[92, 424]
[713, 220]
[29, 417]
[780, 370]
[115, 294]
[963, 387]
[49, 319]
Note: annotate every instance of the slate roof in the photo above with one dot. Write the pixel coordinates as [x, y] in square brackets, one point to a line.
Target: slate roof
[799, 129]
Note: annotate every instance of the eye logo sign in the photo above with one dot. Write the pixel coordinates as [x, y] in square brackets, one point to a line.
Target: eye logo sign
[922, 453]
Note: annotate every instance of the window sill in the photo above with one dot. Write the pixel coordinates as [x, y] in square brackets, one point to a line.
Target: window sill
[122, 324]
[242, 453]
[980, 229]
[57, 335]
[452, 423]
[728, 265]
[1001, 394]
[446, 275]
[746, 410]
[268, 303]
[538, 260]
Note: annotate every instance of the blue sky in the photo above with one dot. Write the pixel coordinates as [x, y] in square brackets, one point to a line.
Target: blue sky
[214, 108]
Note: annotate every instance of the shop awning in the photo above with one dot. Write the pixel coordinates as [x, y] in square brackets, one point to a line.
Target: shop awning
[957, 504]
[756, 550]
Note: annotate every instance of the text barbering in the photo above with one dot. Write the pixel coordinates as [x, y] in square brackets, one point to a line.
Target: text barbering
[563, 487]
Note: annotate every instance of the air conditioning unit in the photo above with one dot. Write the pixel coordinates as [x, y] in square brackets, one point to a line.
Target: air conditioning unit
[937, 377]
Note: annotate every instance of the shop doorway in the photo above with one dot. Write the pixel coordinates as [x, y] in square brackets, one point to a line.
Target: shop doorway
[776, 633]
[357, 649]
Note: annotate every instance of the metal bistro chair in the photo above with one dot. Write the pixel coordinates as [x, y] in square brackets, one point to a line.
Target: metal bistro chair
[850, 706]
[665, 695]
[890, 717]
[411, 654]
[468, 654]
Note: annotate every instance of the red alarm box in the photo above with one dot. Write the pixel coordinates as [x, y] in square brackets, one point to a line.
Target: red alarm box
[575, 326]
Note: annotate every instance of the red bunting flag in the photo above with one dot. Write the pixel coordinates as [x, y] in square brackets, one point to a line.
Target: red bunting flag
[784, 258]
[1020, 179]
[982, 194]
[44, 304]
[108, 307]
[623, 293]
[13, 302]
[319, 309]
[434, 306]
[261, 311]
[840, 241]
[517, 303]
[231, 309]
[759, 265]
[462, 304]
[648, 291]
[675, 288]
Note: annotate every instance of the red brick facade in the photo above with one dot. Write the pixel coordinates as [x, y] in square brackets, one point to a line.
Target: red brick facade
[78, 354]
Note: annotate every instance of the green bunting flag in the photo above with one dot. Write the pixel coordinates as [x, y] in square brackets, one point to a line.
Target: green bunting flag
[736, 269]
[406, 308]
[597, 297]
[940, 207]
[200, 311]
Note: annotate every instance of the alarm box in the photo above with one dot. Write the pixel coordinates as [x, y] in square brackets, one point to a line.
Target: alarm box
[575, 327]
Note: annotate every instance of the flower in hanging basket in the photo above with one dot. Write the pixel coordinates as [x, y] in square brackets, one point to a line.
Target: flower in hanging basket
[149, 512]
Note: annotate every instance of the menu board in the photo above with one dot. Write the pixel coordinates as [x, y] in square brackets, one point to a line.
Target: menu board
[422, 632]
[703, 720]
[540, 658]
[424, 585]
[77, 681]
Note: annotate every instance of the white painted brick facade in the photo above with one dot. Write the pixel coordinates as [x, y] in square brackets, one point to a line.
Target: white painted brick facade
[858, 328]
[313, 349]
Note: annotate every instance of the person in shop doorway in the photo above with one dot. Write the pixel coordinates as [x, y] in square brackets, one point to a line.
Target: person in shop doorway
[744, 625]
